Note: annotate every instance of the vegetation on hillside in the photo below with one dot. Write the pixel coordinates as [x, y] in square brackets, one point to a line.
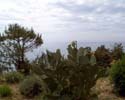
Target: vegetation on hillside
[53, 76]
[15, 42]
[117, 73]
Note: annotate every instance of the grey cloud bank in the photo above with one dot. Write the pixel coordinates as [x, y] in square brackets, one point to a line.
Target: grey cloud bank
[67, 20]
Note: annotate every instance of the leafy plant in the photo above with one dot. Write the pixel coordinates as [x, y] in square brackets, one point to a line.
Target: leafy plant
[5, 91]
[31, 86]
[117, 73]
[13, 77]
[70, 77]
[103, 56]
[117, 51]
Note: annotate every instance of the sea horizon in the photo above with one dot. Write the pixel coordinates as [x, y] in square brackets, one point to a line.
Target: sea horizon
[53, 46]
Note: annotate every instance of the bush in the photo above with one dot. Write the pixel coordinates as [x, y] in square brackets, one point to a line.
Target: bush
[13, 77]
[2, 78]
[31, 86]
[117, 73]
[5, 91]
[103, 56]
[117, 51]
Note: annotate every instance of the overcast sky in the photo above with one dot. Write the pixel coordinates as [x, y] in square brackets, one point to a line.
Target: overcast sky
[67, 20]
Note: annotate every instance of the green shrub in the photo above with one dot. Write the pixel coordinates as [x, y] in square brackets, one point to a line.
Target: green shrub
[117, 51]
[5, 91]
[103, 56]
[13, 77]
[31, 86]
[117, 73]
[2, 78]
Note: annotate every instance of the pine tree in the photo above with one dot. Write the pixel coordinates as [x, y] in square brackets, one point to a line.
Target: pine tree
[15, 42]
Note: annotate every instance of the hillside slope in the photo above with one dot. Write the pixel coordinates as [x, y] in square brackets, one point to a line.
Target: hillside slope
[104, 90]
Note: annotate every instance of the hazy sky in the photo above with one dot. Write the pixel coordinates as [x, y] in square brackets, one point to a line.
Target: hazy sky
[67, 20]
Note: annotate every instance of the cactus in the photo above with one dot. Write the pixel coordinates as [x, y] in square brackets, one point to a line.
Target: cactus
[83, 60]
[93, 60]
[73, 76]
[81, 57]
[72, 51]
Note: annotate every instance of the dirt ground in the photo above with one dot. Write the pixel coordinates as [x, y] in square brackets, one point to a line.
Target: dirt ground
[15, 94]
[104, 89]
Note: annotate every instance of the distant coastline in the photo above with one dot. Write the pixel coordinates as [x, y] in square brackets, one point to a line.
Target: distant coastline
[63, 47]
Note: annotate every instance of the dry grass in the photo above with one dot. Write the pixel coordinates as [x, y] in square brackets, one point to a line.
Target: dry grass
[15, 94]
[104, 89]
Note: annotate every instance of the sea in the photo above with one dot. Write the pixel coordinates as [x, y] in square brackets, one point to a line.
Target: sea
[63, 47]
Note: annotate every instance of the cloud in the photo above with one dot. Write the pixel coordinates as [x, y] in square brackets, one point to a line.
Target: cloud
[66, 20]
[103, 14]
